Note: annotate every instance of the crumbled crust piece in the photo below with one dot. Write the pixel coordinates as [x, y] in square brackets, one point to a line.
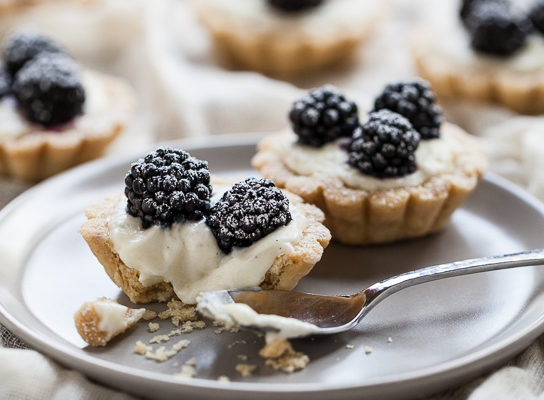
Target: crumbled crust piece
[223, 378]
[245, 369]
[242, 357]
[389, 339]
[161, 354]
[160, 339]
[141, 348]
[153, 327]
[189, 326]
[178, 312]
[188, 370]
[149, 315]
[289, 362]
[281, 356]
[368, 350]
[350, 346]
[97, 322]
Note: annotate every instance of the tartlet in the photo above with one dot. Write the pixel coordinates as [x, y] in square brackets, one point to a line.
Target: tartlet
[261, 36]
[362, 209]
[33, 148]
[284, 271]
[515, 79]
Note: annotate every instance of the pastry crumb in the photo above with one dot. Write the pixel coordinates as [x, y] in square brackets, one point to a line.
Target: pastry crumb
[159, 339]
[289, 362]
[141, 348]
[242, 357]
[188, 370]
[245, 370]
[149, 315]
[350, 346]
[178, 312]
[153, 327]
[368, 349]
[189, 326]
[99, 321]
[223, 378]
[161, 354]
[389, 339]
[219, 330]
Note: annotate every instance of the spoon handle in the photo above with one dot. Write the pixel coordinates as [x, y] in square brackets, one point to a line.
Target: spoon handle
[379, 291]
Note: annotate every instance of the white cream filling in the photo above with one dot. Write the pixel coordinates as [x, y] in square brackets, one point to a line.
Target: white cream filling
[187, 255]
[433, 157]
[13, 124]
[239, 314]
[331, 17]
[450, 41]
[114, 317]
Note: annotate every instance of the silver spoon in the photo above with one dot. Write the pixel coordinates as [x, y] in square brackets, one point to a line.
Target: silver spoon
[335, 314]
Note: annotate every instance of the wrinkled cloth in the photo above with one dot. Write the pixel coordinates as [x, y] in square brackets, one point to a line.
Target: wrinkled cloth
[183, 91]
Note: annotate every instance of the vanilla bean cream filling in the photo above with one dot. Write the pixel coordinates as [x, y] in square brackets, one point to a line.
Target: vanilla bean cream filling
[451, 41]
[330, 17]
[13, 123]
[114, 317]
[187, 255]
[434, 156]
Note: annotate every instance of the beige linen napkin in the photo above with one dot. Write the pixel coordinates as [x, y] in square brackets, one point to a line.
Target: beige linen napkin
[183, 91]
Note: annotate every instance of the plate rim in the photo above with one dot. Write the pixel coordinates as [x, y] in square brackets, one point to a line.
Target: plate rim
[428, 377]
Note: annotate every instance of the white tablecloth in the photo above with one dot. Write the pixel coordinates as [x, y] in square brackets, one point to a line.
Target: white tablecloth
[183, 91]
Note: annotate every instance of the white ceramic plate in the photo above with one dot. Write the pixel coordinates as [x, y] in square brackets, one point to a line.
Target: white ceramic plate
[443, 333]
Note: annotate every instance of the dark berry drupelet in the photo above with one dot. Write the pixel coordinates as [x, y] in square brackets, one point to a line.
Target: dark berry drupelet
[536, 15]
[247, 212]
[167, 186]
[22, 47]
[49, 90]
[468, 5]
[294, 5]
[323, 116]
[5, 83]
[416, 102]
[384, 146]
[497, 30]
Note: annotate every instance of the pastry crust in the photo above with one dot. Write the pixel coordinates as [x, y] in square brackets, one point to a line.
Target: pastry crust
[522, 92]
[357, 216]
[281, 53]
[40, 154]
[284, 273]
[87, 321]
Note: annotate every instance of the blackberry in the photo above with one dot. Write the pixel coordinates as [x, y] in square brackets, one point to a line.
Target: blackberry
[415, 101]
[22, 47]
[5, 83]
[323, 116]
[384, 146]
[536, 15]
[496, 29]
[167, 186]
[49, 90]
[294, 5]
[247, 212]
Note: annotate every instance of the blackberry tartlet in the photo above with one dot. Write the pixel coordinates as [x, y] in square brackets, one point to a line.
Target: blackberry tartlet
[400, 174]
[178, 232]
[491, 52]
[55, 114]
[288, 37]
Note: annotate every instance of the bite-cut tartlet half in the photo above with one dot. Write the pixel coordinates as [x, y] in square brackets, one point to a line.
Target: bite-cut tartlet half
[286, 38]
[493, 52]
[398, 175]
[55, 114]
[177, 232]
